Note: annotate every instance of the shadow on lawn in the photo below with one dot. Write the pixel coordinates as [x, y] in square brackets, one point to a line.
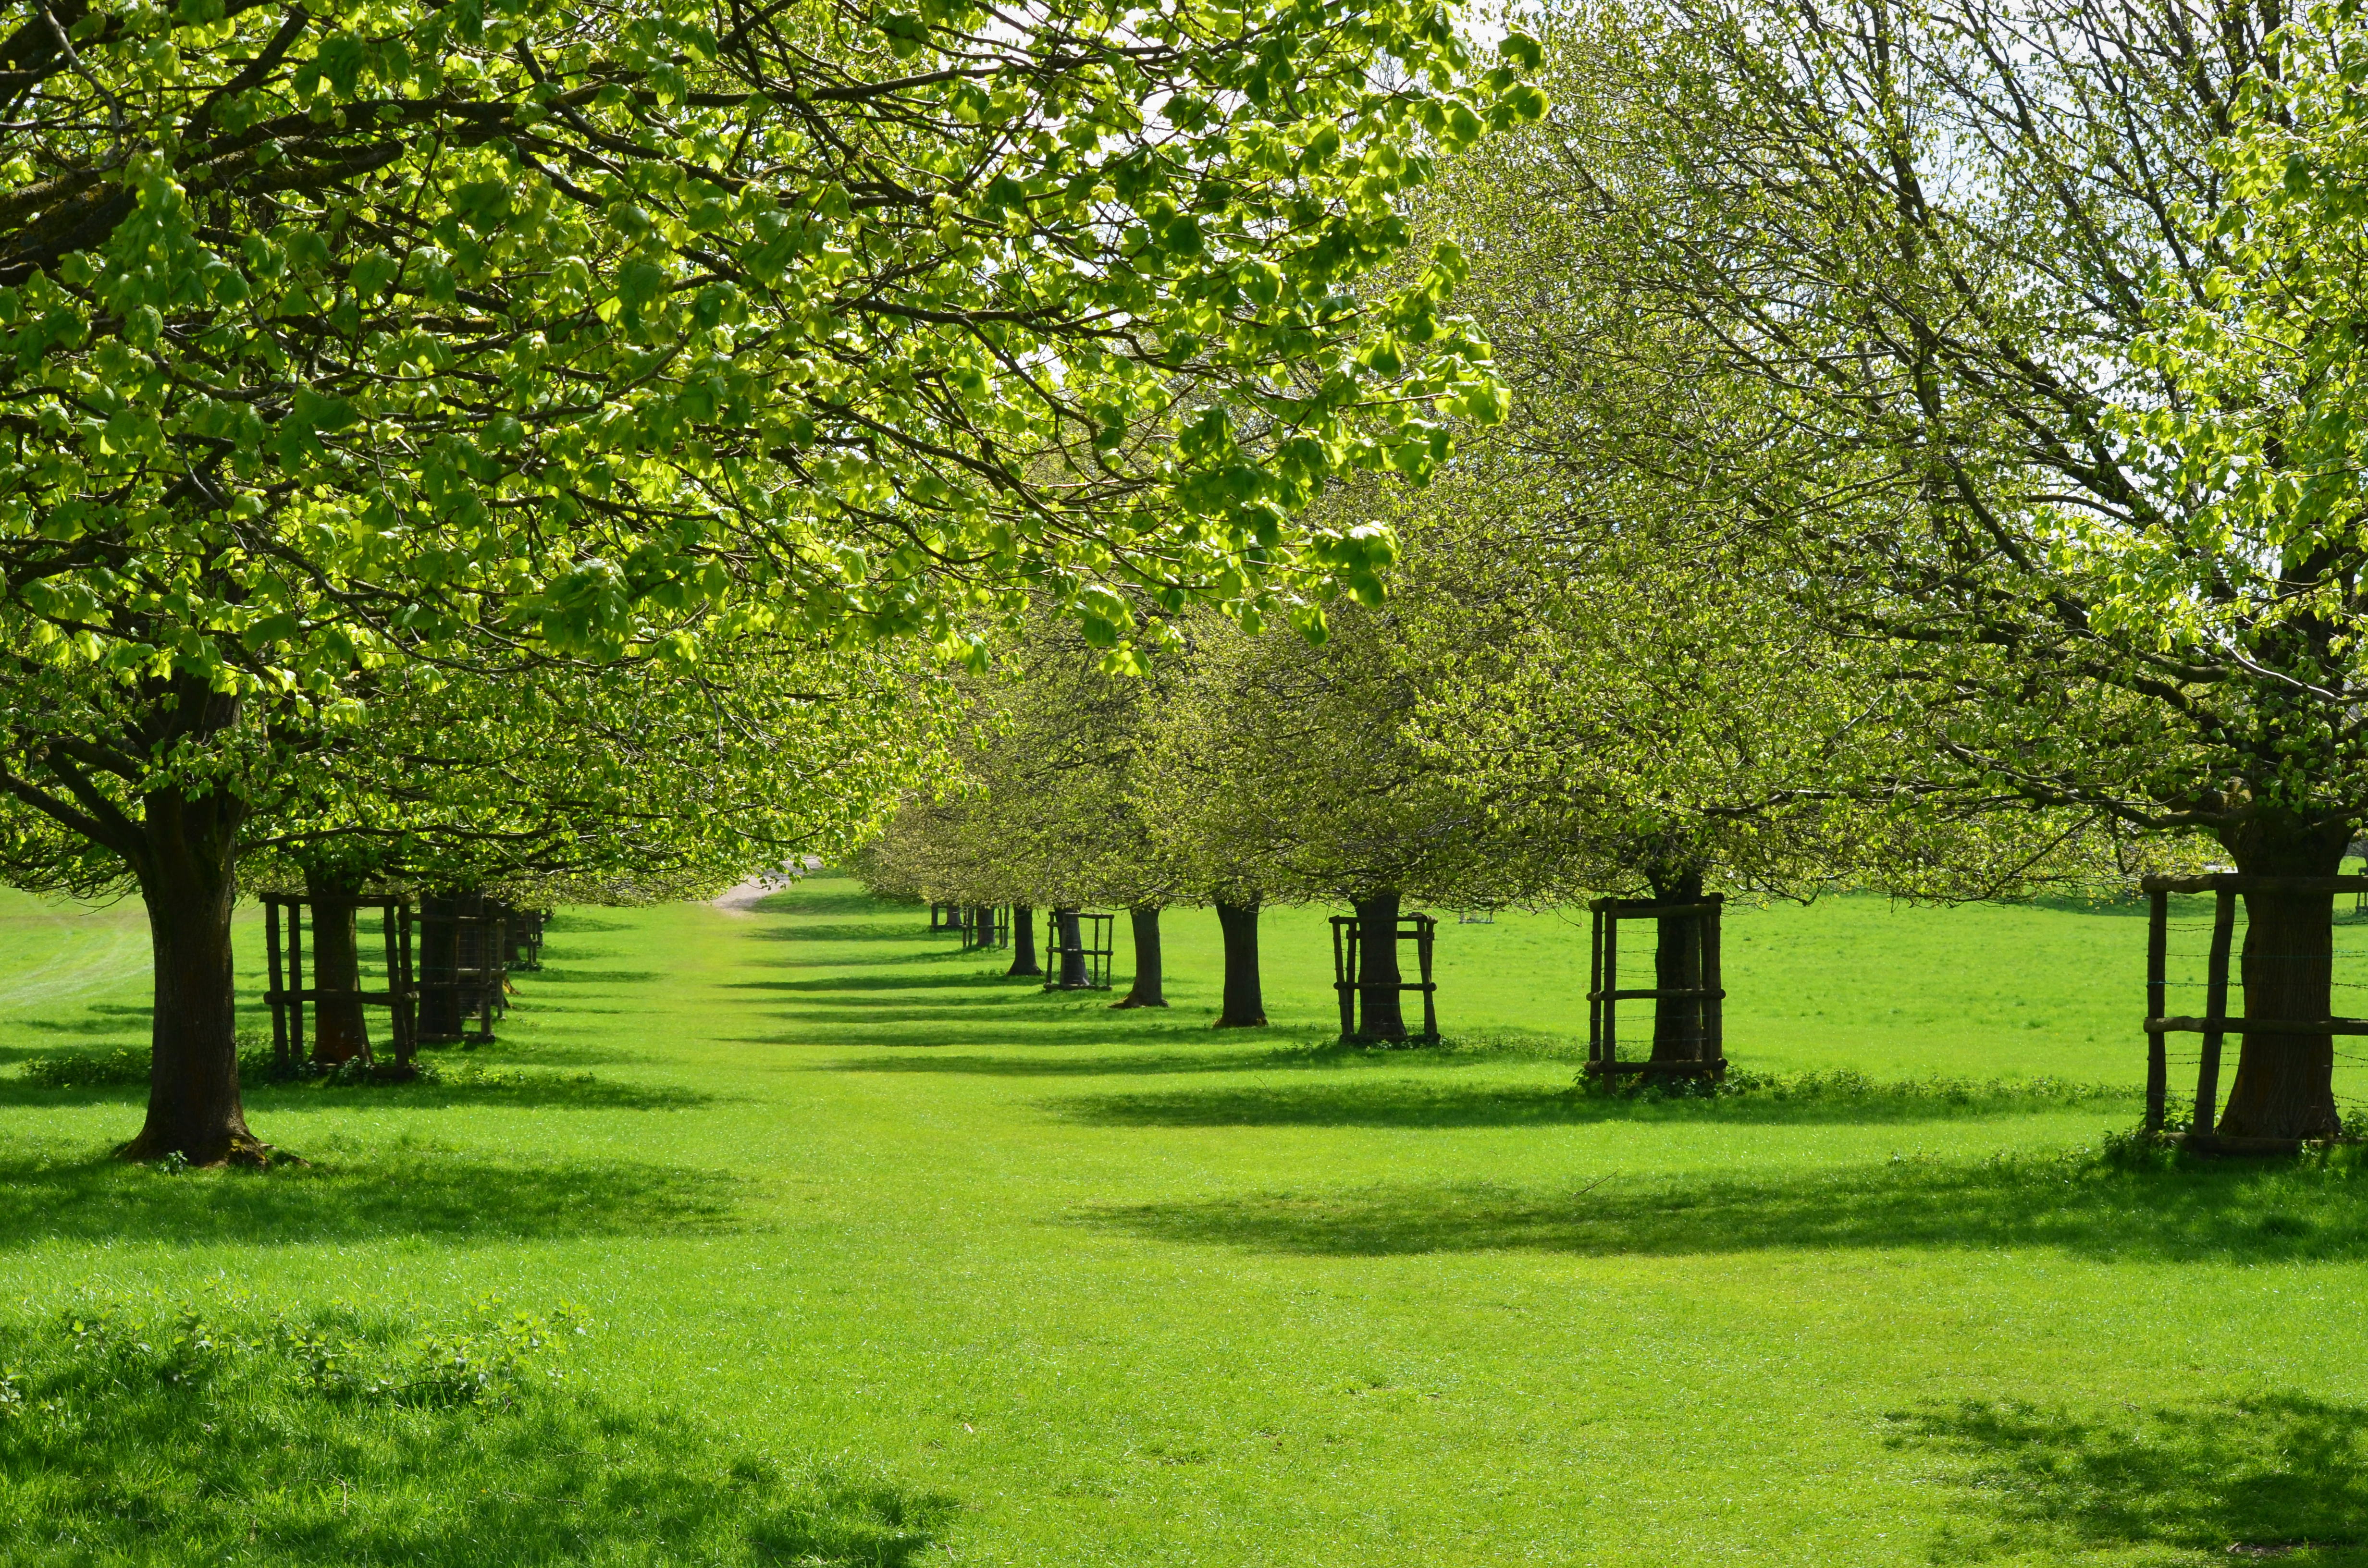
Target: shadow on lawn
[827, 984]
[847, 931]
[334, 1201]
[2276, 1475]
[466, 1086]
[2278, 1215]
[1424, 1101]
[551, 975]
[799, 901]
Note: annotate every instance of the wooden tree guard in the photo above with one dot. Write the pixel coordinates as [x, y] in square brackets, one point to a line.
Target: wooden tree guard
[2215, 1024]
[948, 917]
[288, 1001]
[990, 927]
[1093, 948]
[1604, 992]
[526, 937]
[463, 966]
[1350, 987]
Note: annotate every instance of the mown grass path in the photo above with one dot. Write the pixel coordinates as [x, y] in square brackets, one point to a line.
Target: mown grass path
[1111, 1289]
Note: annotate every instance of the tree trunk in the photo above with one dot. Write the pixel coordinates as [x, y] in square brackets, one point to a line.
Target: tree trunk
[1073, 976]
[189, 881]
[1379, 1016]
[2284, 1085]
[1147, 990]
[1023, 941]
[1244, 1002]
[1679, 1028]
[340, 1031]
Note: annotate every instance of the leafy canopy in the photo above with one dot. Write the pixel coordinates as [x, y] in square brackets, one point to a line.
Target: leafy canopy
[333, 333]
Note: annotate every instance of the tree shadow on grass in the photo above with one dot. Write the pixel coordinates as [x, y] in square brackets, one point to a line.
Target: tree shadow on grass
[574, 923]
[928, 1034]
[466, 1086]
[400, 1193]
[881, 961]
[194, 1440]
[93, 1018]
[552, 974]
[2063, 1202]
[799, 901]
[2279, 1475]
[850, 931]
[1429, 1100]
[826, 984]
[1134, 1064]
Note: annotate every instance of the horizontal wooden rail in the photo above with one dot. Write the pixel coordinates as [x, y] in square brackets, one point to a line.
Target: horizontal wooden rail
[2256, 1026]
[375, 998]
[2236, 881]
[1631, 909]
[1717, 992]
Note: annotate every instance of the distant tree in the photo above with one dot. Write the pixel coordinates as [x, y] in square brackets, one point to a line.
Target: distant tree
[1297, 775]
[408, 332]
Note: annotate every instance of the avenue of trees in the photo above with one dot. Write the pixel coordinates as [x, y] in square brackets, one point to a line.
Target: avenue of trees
[1202, 455]
[367, 370]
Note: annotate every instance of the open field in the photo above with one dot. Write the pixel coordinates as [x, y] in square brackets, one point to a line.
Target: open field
[886, 1259]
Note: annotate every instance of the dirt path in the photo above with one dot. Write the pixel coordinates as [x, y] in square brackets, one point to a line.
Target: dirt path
[743, 899]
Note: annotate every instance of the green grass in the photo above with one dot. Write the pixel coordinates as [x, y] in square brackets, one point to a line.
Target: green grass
[883, 1259]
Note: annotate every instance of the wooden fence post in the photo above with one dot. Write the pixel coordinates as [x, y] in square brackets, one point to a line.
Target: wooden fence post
[2216, 1011]
[2158, 1057]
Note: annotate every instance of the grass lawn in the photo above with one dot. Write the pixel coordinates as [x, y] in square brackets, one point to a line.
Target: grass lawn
[883, 1259]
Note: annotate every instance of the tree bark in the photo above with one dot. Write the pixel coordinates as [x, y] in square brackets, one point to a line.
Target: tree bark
[1379, 1015]
[188, 876]
[2284, 1085]
[1245, 1001]
[1073, 976]
[1149, 990]
[340, 1029]
[1023, 941]
[1679, 1022]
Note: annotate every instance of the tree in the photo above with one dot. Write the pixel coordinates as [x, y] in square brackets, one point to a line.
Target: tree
[406, 332]
[1960, 259]
[1298, 775]
[1046, 805]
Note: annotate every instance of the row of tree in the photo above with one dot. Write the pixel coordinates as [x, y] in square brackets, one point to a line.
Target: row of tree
[1934, 462]
[481, 442]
